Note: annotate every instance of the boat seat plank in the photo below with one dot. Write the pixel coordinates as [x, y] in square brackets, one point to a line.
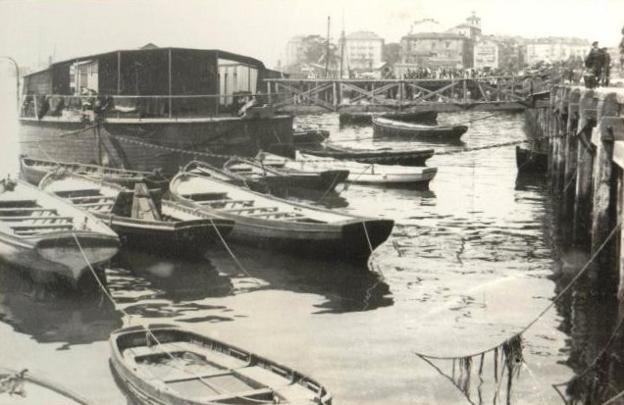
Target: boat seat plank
[223, 360]
[17, 203]
[83, 192]
[197, 377]
[35, 218]
[43, 226]
[205, 196]
[241, 394]
[278, 215]
[90, 198]
[95, 204]
[27, 209]
[250, 209]
[227, 201]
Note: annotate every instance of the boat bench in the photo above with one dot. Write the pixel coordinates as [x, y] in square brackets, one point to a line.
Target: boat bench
[42, 226]
[270, 215]
[18, 203]
[205, 196]
[90, 198]
[33, 218]
[250, 210]
[95, 204]
[226, 202]
[78, 193]
[26, 209]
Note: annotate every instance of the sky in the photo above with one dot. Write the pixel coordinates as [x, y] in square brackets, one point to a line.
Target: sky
[31, 30]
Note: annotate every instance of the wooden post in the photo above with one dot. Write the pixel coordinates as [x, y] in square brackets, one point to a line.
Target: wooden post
[170, 85]
[340, 92]
[269, 92]
[118, 73]
[335, 95]
[618, 151]
[582, 201]
[570, 154]
[603, 190]
[465, 89]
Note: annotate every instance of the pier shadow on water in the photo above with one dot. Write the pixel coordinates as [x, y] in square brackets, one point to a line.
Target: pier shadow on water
[50, 317]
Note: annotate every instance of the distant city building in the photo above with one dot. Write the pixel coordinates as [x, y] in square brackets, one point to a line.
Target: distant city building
[425, 25]
[363, 50]
[437, 50]
[295, 49]
[555, 49]
[486, 54]
[471, 28]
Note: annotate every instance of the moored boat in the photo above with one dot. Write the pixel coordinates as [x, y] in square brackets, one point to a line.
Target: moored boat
[531, 161]
[50, 239]
[274, 223]
[141, 217]
[385, 127]
[165, 365]
[23, 387]
[387, 156]
[366, 117]
[34, 170]
[359, 173]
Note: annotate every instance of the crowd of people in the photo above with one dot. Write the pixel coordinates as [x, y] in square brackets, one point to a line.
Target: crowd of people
[452, 73]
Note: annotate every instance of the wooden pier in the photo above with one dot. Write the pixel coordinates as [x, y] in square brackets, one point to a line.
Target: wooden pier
[502, 93]
[584, 129]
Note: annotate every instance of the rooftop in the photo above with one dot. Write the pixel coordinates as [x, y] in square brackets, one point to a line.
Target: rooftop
[363, 35]
[435, 35]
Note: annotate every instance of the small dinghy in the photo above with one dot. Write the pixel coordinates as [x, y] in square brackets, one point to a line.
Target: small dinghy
[359, 173]
[387, 156]
[531, 161]
[366, 117]
[167, 365]
[50, 238]
[384, 127]
[140, 217]
[25, 388]
[34, 170]
[267, 221]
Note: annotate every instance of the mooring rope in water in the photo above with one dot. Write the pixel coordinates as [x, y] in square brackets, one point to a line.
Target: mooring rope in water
[149, 332]
[614, 335]
[554, 301]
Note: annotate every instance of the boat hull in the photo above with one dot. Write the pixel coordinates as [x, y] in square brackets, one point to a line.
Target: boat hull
[366, 118]
[57, 261]
[140, 144]
[189, 239]
[402, 158]
[405, 130]
[308, 137]
[529, 161]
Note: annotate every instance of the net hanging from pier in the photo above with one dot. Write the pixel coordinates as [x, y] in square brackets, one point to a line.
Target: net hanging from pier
[510, 349]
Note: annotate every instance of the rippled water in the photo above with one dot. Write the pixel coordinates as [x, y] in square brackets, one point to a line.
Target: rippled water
[469, 263]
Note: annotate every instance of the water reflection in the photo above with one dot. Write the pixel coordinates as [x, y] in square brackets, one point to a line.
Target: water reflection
[346, 286]
[49, 317]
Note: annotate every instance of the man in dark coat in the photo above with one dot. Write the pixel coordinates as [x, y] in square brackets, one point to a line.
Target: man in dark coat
[593, 63]
[606, 67]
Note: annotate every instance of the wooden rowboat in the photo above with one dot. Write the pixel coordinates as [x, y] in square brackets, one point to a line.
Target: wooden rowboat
[384, 127]
[531, 161]
[34, 170]
[366, 118]
[387, 156]
[140, 217]
[25, 388]
[266, 179]
[166, 365]
[41, 234]
[359, 173]
[267, 221]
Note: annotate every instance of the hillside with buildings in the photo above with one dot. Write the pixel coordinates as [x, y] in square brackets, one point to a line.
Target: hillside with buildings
[427, 47]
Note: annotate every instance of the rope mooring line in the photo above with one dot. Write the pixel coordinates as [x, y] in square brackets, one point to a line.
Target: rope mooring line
[556, 299]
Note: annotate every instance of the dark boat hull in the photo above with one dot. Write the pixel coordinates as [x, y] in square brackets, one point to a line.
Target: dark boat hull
[141, 144]
[309, 137]
[327, 180]
[529, 161]
[366, 118]
[189, 239]
[403, 158]
[403, 130]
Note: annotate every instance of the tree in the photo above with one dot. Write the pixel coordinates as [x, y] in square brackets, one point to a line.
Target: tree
[391, 52]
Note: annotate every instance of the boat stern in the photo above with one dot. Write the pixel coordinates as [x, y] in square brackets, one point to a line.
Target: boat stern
[361, 238]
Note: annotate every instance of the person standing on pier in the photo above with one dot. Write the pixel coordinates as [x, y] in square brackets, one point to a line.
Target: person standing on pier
[606, 67]
[593, 63]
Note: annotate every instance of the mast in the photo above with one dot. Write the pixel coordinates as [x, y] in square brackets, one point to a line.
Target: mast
[327, 49]
[342, 45]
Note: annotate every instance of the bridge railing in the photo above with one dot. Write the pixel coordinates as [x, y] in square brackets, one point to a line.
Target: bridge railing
[332, 94]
